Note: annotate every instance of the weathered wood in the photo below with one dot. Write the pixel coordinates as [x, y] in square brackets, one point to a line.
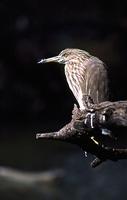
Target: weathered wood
[109, 116]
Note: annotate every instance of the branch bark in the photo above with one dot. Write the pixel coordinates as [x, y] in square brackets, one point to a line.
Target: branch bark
[108, 120]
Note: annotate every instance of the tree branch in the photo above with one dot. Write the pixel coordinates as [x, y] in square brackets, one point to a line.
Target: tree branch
[108, 120]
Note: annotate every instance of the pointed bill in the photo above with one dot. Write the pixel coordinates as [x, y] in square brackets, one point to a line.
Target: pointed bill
[52, 59]
[41, 61]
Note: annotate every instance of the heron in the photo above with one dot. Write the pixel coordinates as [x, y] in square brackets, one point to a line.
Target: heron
[86, 75]
[87, 78]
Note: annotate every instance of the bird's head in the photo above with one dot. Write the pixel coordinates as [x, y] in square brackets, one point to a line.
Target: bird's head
[67, 55]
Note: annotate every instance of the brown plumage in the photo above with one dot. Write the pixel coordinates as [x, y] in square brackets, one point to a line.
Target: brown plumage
[85, 74]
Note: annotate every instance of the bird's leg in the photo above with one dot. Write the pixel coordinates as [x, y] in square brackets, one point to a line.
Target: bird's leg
[90, 116]
[89, 122]
[88, 107]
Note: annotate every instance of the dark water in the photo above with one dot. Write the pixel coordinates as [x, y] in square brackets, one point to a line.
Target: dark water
[40, 169]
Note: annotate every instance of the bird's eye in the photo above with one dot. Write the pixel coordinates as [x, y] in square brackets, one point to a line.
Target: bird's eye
[66, 55]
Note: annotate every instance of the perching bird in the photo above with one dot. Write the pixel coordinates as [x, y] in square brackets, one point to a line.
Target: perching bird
[86, 75]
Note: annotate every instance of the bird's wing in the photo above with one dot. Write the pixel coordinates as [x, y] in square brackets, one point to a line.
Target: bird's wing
[95, 80]
[87, 78]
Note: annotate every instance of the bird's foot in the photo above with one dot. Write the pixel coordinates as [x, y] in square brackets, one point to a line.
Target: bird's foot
[89, 121]
[90, 124]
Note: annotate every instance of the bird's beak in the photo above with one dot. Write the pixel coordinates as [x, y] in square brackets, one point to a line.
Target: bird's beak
[53, 59]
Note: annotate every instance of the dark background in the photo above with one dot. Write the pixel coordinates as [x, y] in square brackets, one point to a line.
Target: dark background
[36, 98]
